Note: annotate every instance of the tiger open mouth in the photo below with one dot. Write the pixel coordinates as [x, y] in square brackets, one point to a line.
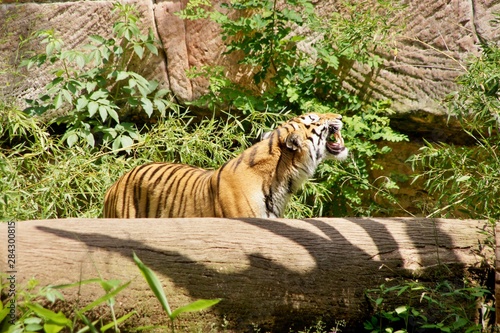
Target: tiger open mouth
[335, 146]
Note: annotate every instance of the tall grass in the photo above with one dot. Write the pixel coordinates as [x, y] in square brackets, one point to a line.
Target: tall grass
[43, 178]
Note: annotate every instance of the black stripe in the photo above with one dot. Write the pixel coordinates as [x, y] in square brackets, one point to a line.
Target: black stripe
[130, 187]
[164, 194]
[173, 190]
[219, 189]
[138, 193]
[163, 168]
[185, 201]
[271, 143]
[253, 153]
[200, 187]
[290, 185]
[151, 187]
[269, 202]
[238, 161]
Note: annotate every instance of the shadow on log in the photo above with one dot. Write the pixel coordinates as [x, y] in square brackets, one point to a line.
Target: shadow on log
[278, 274]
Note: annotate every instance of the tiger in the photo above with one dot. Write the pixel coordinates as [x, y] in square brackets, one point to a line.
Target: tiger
[257, 183]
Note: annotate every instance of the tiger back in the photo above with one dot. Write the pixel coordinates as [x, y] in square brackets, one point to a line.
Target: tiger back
[257, 183]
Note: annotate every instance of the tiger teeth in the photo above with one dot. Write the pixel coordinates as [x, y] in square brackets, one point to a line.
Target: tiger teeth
[339, 138]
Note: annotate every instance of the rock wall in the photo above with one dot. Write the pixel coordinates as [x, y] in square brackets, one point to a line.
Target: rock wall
[420, 70]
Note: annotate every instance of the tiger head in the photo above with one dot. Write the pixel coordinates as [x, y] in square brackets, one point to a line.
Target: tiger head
[316, 136]
[319, 134]
[307, 140]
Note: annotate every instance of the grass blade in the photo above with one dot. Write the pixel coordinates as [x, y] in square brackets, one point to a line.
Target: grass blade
[118, 321]
[198, 305]
[104, 298]
[154, 284]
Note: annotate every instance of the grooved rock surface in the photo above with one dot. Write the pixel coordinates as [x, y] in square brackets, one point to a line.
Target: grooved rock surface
[274, 273]
[419, 71]
[74, 22]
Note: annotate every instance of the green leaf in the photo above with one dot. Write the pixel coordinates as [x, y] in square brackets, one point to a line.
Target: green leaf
[118, 321]
[86, 321]
[401, 309]
[51, 327]
[90, 139]
[80, 61]
[3, 313]
[154, 284]
[98, 39]
[198, 305]
[117, 143]
[103, 112]
[49, 49]
[160, 105]
[58, 100]
[81, 103]
[113, 114]
[147, 106]
[72, 139]
[50, 316]
[67, 96]
[139, 50]
[104, 298]
[99, 94]
[152, 48]
[90, 86]
[92, 108]
[32, 320]
[109, 285]
[126, 141]
[122, 75]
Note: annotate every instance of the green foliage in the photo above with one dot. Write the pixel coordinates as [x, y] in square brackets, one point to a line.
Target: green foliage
[34, 313]
[442, 308]
[298, 62]
[155, 285]
[292, 70]
[464, 179]
[94, 88]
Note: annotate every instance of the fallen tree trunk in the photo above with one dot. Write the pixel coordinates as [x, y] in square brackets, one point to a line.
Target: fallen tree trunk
[273, 273]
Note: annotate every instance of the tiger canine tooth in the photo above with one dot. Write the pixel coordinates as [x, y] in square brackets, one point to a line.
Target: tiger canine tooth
[339, 138]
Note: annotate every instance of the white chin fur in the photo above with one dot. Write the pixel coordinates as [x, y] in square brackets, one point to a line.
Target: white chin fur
[342, 155]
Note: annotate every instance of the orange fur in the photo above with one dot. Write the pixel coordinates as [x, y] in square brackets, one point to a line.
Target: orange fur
[257, 183]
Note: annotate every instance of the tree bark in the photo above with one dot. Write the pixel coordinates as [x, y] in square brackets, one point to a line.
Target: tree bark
[278, 274]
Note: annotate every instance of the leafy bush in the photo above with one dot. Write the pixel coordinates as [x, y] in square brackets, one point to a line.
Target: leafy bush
[464, 179]
[35, 314]
[441, 308]
[298, 60]
[94, 87]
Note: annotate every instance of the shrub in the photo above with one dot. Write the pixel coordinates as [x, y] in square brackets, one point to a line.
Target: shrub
[441, 307]
[95, 89]
[298, 59]
[464, 179]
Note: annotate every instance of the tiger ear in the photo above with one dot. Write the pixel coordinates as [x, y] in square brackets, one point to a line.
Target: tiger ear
[293, 141]
[265, 135]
